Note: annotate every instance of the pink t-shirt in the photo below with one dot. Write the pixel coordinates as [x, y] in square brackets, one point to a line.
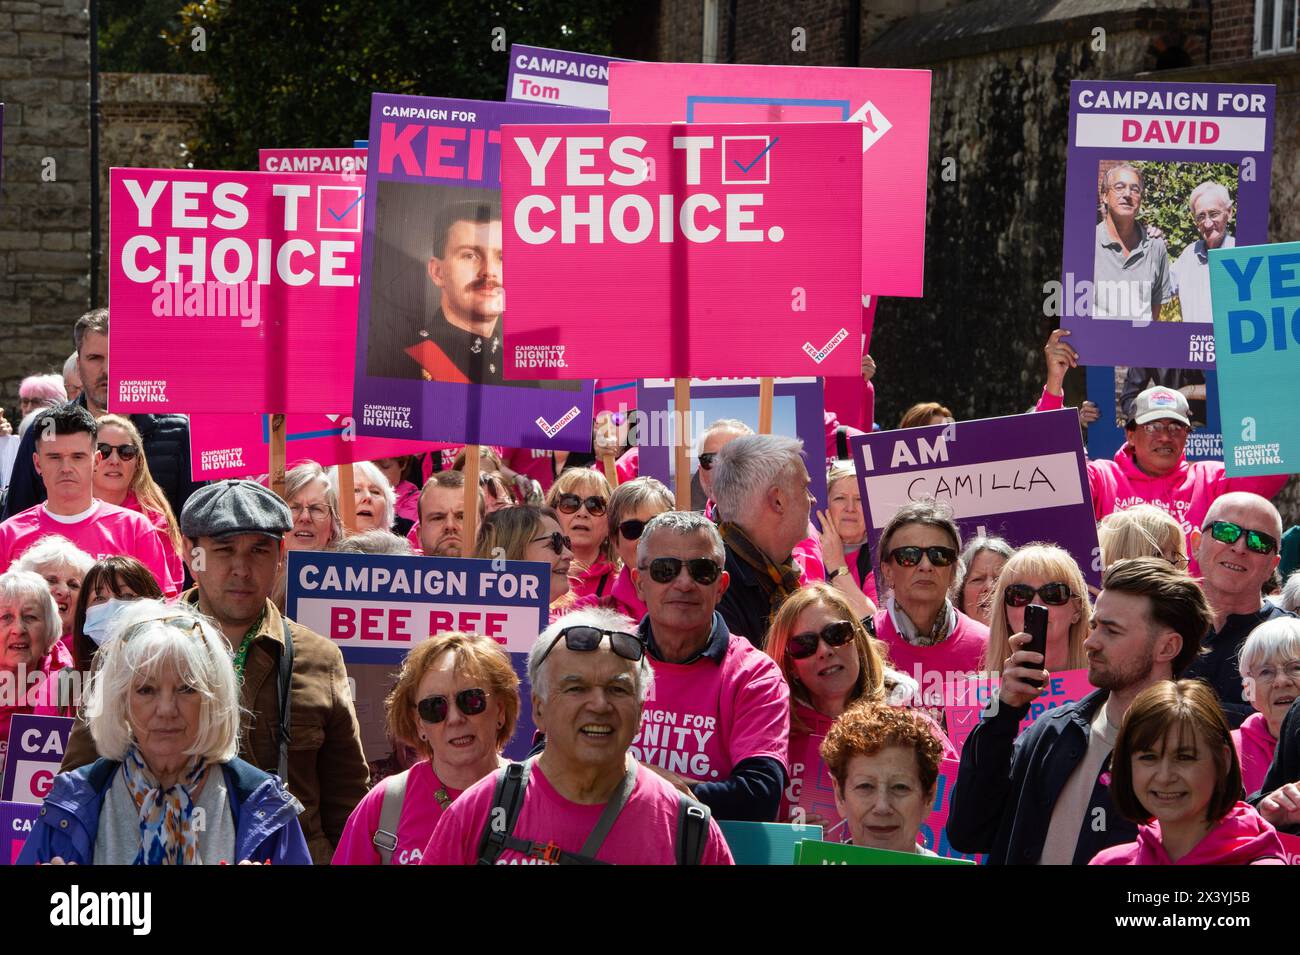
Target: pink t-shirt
[960, 653]
[598, 579]
[702, 719]
[106, 530]
[407, 501]
[621, 596]
[420, 814]
[1255, 747]
[175, 567]
[643, 834]
[532, 463]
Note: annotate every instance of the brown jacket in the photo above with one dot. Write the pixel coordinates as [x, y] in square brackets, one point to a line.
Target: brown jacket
[327, 768]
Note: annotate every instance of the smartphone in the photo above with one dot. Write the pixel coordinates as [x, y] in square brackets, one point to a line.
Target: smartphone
[1036, 627]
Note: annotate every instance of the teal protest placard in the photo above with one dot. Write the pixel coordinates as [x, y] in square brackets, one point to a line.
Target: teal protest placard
[1256, 295]
[765, 843]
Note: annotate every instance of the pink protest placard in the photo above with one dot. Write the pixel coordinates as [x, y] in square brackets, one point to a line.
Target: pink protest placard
[343, 162]
[682, 251]
[234, 446]
[965, 700]
[934, 831]
[891, 107]
[233, 291]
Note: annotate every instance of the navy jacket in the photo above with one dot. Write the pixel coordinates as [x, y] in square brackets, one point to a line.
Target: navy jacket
[265, 814]
[1007, 787]
[1217, 663]
[1285, 767]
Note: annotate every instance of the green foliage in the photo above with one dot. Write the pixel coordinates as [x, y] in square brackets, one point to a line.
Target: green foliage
[1166, 189]
[132, 37]
[301, 73]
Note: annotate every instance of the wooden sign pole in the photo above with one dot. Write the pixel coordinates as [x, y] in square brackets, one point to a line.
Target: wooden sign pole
[469, 535]
[276, 473]
[766, 388]
[682, 448]
[347, 498]
[611, 472]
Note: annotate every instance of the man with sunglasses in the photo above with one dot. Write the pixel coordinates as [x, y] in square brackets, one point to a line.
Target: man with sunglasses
[719, 723]
[1237, 550]
[65, 458]
[585, 799]
[1151, 467]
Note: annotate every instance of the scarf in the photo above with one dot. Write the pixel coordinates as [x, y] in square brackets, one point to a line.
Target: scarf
[779, 581]
[944, 622]
[166, 835]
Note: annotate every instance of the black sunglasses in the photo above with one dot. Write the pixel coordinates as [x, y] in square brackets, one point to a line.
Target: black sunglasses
[632, 530]
[570, 503]
[1226, 532]
[706, 460]
[558, 542]
[434, 709]
[126, 452]
[1054, 594]
[582, 639]
[664, 570]
[911, 556]
[800, 646]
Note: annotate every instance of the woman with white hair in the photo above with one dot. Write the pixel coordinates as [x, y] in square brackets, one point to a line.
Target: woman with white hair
[63, 565]
[1269, 661]
[163, 708]
[29, 644]
[376, 504]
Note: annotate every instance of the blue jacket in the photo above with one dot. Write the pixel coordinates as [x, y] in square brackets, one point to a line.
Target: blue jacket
[1008, 786]
[265, 814]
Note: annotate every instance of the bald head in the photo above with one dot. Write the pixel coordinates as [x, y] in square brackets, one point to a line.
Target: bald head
[1248, 510]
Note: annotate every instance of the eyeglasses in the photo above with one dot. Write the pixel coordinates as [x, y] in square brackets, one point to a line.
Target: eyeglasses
[1179, 562]
[558, 542]
[664, 570]
[1267, 674]
[1215, 216]
[803, 645]
[706, 460]
[570, 503]
[1121, 188]
[1226, 532]
[632, 530]
[1175, 429]
[911, 556]
[582, 639]
[434, 709]
[1054, 594]
[126, 452]
[318, 512]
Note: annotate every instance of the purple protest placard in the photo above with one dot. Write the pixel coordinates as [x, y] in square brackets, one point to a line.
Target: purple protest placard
[36, 747]
[796, 413]
[1140, 156]
[16, 822]
[429, 352]
[558, 77]
[1022, 477]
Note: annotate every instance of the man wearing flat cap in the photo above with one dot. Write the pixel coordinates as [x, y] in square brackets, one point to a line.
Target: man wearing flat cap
[234, 532]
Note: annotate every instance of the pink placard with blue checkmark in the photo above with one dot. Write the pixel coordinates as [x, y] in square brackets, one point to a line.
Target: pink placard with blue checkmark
[674, 250]
[890, 107]
[233, 292]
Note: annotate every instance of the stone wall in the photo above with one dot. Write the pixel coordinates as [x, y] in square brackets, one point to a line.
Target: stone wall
[45, 200]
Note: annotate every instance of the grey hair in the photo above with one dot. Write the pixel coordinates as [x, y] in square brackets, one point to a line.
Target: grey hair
[681, 523]
[299, 478]
[1277, 639]
[632, 496]
[376, 477]
[18, 585]
[70, 365]
[597, 617]
[732, 425]
[1289, 599]
[55, 550]
[925, 511]
[747, 467]
[1213, 189]
[148, 635]
[375, 541]
[1105, 180]
[973, 549]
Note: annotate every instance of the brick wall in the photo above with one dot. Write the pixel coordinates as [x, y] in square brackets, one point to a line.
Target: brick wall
[45, 202]
[1232, 36]
[145, 121]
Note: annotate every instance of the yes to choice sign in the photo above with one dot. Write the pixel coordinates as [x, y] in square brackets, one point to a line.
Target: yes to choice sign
[36, 747]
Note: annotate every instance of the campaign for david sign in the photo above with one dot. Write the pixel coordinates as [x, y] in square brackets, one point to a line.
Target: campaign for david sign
[376, 608]
[891, 108]
[232, 291]
[36, 748]
[1158, 175]
[1022, 478]
[558, 77]
[430, 359]
[694, 244]
[1257, 333]
[234, 446]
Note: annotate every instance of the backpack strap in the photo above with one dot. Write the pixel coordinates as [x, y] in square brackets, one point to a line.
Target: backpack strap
[611, 813]
[692, 830]
[507, 800]
[284, 680]
[390, 811]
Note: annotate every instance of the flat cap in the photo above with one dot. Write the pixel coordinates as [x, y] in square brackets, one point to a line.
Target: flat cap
[234, 507]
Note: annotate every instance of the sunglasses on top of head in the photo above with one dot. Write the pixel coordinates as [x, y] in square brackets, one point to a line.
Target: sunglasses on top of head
[571, 503]
[434, 709]
[583, 639]
[800, 646]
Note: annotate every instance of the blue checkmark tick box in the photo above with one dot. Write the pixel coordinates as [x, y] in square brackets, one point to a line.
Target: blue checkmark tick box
[338, 208]
[747, 160]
